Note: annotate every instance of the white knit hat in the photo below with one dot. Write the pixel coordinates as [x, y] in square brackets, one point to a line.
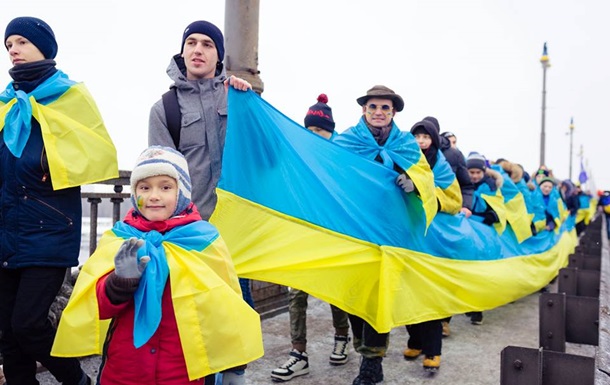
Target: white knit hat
[159, 160]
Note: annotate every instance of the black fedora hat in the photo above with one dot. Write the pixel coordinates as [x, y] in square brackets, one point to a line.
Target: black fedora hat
[384, 93]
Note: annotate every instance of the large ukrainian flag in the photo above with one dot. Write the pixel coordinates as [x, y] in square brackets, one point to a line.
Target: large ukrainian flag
[298, 210]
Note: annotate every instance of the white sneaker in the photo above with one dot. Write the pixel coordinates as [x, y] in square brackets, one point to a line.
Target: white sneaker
[339, 354]
[297, 365]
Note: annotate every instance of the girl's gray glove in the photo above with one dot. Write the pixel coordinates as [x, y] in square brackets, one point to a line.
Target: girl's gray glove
[126, 263]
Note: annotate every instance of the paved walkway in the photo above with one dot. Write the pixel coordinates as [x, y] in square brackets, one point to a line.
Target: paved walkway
[471, 355]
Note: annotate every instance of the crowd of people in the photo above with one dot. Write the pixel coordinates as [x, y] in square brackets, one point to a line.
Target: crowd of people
[150, 297]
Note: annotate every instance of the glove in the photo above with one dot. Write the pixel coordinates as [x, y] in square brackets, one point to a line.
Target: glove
[232, 378]
[126, 263]
[405, 183]
[490, 218]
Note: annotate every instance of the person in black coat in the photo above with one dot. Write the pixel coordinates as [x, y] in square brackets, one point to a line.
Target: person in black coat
[458, 164]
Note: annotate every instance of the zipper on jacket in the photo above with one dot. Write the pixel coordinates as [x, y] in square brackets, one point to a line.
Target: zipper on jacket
[42, 165]
[68, 219]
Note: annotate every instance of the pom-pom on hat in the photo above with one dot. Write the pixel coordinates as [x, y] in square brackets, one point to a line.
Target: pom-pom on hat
[159, 160]
[36, 31]
[208, 29]
[320, 115]
[476, 160]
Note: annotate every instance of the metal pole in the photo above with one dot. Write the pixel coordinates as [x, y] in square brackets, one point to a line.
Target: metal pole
[241, 41]
[571, 144]
[542, 133]
[544, 60]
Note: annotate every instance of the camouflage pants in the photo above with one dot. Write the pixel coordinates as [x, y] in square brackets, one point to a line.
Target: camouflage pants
[297, 308]
[367, 341]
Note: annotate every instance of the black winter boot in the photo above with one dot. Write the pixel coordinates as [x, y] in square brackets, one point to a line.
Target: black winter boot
[371, 371]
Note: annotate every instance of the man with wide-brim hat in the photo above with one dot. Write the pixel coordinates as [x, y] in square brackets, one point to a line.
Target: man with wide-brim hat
[382, 92]
[376, 137]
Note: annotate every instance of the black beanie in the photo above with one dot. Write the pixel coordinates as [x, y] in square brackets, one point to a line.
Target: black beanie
[36, 31]
[476, 160]
[208, 29]
[320, 115]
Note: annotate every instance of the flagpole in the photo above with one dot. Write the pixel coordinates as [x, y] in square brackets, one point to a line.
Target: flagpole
[571, 143]
[545, 64]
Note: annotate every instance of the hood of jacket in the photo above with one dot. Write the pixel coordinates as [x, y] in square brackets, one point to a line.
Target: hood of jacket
[496, 176]
[176, 70]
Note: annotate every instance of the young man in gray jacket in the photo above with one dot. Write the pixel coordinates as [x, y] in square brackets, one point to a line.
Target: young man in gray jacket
[201, 87]
[201, 90]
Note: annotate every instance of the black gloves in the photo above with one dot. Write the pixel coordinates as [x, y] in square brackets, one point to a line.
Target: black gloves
[490, 217]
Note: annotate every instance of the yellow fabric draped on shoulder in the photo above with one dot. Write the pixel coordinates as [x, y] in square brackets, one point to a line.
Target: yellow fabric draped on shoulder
[423, 178]
[79, 149]
[518, 217]
[497, 204]
[450, 198]
[218, 329]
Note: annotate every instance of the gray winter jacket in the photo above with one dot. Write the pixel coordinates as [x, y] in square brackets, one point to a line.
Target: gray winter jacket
[203, 106]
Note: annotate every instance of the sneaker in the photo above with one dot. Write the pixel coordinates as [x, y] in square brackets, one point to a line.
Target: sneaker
[446, 330]
[371, 371]
[411, 354]
[432, 363]
[476, 318]
[297, 365]
[339, 354]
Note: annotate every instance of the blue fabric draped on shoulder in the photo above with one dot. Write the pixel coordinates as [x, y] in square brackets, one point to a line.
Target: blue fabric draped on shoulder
[401, 149]
[301, 211]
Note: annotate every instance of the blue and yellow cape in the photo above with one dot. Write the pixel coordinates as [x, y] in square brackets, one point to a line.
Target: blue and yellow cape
[218, 329]
[79, 149]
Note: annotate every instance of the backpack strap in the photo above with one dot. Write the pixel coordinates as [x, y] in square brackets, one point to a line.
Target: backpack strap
[172, 114]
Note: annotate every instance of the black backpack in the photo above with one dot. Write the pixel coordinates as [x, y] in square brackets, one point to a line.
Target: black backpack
[172, 114]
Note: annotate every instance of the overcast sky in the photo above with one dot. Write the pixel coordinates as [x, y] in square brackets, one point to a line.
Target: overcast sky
[473, 64]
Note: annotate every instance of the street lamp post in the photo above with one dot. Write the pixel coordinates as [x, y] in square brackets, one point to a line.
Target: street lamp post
[545, 64]
[571, 143]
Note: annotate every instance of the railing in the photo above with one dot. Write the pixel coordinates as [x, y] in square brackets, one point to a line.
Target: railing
[116, 198]
[578, 313]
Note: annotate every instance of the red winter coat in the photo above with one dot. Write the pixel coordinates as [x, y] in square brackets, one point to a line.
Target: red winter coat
[160, 360]
[161, 356]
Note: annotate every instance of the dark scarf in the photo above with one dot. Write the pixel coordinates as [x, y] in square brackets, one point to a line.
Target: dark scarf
[381, 135]
[431, 155]
[28, 76]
